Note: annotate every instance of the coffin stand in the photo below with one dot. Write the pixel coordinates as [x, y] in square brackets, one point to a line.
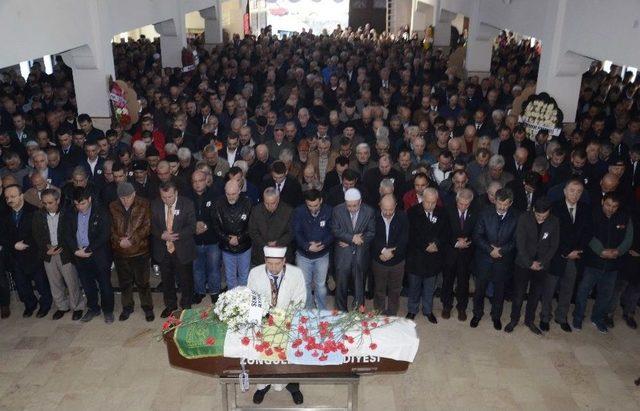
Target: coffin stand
[228, 370]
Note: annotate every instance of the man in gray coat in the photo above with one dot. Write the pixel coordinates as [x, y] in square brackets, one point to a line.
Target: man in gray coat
[353, 226]
[537, 237]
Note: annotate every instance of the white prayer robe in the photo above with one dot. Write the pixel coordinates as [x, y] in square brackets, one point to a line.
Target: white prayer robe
[292, 287]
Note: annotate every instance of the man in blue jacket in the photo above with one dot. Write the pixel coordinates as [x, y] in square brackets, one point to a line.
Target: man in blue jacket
[495, 240]
[312, 230]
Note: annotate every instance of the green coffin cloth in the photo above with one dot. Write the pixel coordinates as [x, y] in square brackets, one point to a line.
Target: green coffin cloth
[193, 340]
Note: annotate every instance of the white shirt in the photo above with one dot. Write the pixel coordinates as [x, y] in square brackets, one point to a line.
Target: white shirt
[438, 174]
[231, 156]
[387, 226]
[52, 223]
[93, 164]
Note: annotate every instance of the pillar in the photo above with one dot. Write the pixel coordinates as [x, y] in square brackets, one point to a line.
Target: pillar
[92, 66]
[212, 24]
[479, 44]
[560, 72]
[172, 39]
[422, 16]
[442, 32]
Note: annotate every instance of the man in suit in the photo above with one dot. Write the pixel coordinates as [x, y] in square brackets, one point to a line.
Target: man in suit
[612, 237]
[518, 165]
[88, 229]
[574, 218]
[526, 191]
[287, 187]
[462, 217]
[93, 164]
[41, 165]
[428, 231]
[353, 226]
[173, 225]
[27, 267]
[494, 239]
[537, 236]
[389, 247]
[48, 233]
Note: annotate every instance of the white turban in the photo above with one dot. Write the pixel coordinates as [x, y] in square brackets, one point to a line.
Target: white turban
[274, 252]
[352, 194]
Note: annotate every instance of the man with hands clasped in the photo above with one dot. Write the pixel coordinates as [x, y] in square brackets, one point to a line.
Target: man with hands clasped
[537, 237]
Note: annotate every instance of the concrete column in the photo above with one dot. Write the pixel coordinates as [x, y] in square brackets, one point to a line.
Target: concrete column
[422, 16]
[479, 44]
[560, 72]
[212, 24]
[172, 40]
[92, 65]
[442, 32]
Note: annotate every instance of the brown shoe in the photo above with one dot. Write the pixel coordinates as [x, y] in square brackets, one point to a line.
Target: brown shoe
[446, 314]
[462, 315]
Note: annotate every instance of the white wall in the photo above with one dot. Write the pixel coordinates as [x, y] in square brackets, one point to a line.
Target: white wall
[40, 27]
[232, 12]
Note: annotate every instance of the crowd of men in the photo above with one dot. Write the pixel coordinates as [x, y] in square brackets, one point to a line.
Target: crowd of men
[380, 171]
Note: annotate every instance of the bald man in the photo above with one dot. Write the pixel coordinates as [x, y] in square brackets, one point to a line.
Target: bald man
[389, 251]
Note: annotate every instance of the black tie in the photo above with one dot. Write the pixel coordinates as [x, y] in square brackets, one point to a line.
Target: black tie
[462, 221]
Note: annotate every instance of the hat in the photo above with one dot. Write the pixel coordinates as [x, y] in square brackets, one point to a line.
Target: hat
[140, 165]
[542, 204]
[352, 194]
[125, 189]
[274, 252]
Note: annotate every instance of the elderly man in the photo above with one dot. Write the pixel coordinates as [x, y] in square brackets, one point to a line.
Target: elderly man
[218, 165]
[33, 195]
[363, 162]
[231, 224]
[48, 232]
[428, 233]
[282, 285]
[353, 226]
[270, 225]
[374, 176]
[41, 166]
[495, 172]
[462, 216]
[389, 250]
[130, 230]
[173, 225]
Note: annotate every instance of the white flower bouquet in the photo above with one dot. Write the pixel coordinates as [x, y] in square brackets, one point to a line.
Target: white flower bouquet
[241, 308]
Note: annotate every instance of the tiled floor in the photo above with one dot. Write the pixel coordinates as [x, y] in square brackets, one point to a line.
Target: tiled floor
[64, 365]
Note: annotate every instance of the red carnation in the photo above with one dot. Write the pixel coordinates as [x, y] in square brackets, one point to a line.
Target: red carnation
[298, 353]
[258, 334]
[323, 358]
[270, 320]
[204, 314]
[268, 351]
[364, 324]
[374, 324]
[303, 320]
[166, 325]
[373, 346]
[282, 355]
[259, 347]
[296, 343]
[245, 341]
[210, 341]
[344, 351]
[288, 325]
[314, 354]
[366, 331]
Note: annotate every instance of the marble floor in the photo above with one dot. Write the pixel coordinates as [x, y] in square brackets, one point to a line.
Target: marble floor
[64, 365]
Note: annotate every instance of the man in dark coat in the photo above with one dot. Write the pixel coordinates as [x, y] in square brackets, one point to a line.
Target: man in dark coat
[27, 267]
[494, 238]
[612, 238]
[574, 218]
[287, 187]
[388, 250]
[428, 233]
[88, 230]
[270, 225]
[462, 216]
[537, 237]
